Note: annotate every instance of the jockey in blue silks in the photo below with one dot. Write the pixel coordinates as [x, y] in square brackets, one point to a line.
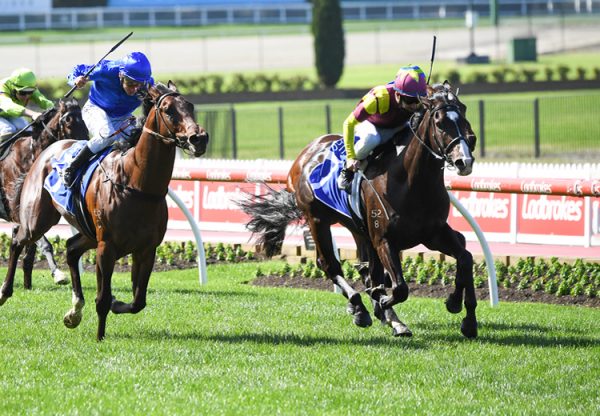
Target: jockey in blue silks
[117, 90]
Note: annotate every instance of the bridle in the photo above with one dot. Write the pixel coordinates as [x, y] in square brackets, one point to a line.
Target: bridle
[442, 152]
[180, 141]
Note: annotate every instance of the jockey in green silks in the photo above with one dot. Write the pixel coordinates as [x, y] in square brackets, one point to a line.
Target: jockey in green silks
[17, 92]
[378, 116]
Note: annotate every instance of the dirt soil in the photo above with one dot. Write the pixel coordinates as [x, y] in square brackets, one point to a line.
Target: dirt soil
[435, 291]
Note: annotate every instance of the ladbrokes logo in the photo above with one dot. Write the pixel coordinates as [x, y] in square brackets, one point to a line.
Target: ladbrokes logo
[221, 199]
[542, 208]
[218, 175]
[486, 185]
[258, 176]
[533, 187]
[490, 207]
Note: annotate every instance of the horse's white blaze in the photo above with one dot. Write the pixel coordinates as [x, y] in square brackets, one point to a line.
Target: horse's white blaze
[452, 115]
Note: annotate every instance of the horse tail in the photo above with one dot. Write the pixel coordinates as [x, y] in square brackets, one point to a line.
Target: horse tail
[270, 215]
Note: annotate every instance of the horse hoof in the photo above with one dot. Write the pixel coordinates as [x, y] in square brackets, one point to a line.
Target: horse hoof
[469, 328]
[350, 309]
[452, 305]
[3, 300]
[72, 319]
[402, 332]
[363, 319]
[59, 277]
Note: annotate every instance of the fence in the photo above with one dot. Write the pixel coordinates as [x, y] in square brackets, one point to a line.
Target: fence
[283, 13]
[557, 128]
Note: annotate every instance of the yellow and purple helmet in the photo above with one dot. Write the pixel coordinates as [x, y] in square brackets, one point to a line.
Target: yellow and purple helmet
[410, 81]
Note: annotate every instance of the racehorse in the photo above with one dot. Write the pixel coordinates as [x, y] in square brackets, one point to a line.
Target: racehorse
[403, 203]
[125, 205]
[62, 122]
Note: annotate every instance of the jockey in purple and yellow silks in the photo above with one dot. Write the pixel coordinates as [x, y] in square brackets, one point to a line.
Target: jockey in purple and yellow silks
[379, 115]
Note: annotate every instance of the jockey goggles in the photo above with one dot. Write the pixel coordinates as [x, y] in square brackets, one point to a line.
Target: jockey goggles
[25, 90]
[132, 82]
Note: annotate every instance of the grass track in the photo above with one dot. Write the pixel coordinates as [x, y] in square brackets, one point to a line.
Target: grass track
[232, 348]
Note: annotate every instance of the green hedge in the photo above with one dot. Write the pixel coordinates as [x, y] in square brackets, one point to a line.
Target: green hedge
[260, 82]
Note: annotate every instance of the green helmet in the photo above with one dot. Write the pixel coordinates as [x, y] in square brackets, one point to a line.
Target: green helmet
[23, 79]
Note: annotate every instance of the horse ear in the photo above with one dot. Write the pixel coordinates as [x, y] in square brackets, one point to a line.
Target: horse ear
[171, 85]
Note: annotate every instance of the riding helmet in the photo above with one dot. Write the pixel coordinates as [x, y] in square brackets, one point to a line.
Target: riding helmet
[23, 79]
[410, 81]
[136, 67]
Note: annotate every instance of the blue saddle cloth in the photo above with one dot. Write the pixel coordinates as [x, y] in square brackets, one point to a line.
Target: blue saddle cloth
[323, 179]
[54, 184]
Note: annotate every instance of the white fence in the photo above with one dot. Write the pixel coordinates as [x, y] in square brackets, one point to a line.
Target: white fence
[255, 13]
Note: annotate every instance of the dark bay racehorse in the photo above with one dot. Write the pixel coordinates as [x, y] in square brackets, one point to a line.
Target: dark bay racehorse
[404, 203]
[125, 204]
[63, 122]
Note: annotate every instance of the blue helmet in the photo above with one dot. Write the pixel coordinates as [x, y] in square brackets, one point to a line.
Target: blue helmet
[137, 67]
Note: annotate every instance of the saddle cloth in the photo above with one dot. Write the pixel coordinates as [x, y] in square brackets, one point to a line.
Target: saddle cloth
[54, 184]
[323, 179]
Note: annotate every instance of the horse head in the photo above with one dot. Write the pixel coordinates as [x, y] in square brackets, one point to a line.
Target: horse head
[451, 137]
[175, 119]
[62, 122]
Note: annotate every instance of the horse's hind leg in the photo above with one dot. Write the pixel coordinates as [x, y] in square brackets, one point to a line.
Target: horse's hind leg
[59, 277]
[329, 263]
[373, 278]
[16, 247]
[76, 246]
[142, 264]
[453, 243]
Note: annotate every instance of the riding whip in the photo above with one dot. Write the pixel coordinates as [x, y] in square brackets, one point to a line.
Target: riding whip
[432, 58]
[67, 95]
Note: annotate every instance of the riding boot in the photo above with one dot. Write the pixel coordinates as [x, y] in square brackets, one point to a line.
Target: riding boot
[345, 179]
[81, 159]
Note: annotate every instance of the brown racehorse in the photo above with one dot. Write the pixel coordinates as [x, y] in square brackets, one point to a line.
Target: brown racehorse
[404, 203]
[125, 203]
[63, 122]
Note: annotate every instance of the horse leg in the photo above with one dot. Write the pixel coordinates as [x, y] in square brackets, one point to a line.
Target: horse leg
[15, 251]
[329, 263]
[389, 257]
[59, 277]
[105, 264]
[142, 264]
[28, 261]
[453, 243]
[76, 246]
[374, 278]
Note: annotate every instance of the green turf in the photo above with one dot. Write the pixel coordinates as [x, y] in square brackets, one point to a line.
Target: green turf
[232, 348]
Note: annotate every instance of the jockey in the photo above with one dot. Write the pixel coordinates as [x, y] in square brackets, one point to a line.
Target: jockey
[379, 115]
[117, 91]
[16, 93]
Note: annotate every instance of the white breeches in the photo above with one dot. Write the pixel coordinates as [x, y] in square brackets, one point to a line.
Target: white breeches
[11, 125]
[370, 137]
[102, 127]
